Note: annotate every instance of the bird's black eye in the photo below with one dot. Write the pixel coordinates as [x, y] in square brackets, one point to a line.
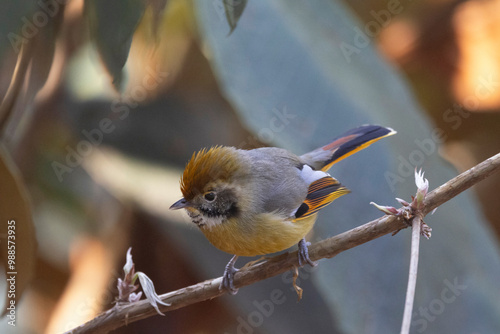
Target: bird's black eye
[209, 196]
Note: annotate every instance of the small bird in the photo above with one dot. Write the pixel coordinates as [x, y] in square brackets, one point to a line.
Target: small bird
[265, 200]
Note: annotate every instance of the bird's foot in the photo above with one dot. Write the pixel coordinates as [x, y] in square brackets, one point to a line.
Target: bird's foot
[304, 254]
[228, 277]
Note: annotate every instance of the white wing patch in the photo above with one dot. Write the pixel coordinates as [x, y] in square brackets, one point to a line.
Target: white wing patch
[309, 175]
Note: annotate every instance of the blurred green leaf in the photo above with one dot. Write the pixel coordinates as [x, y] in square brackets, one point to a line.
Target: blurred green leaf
[112, 26]
[233, 10]
[17, 233]
[17, 27]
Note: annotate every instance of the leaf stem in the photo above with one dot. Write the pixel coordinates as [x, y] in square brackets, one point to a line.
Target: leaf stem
[412, 278]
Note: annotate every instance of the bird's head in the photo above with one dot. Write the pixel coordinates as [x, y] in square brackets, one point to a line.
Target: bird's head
[207, 185]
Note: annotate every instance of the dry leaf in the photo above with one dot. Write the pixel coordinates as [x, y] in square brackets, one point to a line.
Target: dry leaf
[17, 233]
[297, 288]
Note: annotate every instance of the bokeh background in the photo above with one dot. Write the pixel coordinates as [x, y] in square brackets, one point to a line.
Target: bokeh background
[103, 103]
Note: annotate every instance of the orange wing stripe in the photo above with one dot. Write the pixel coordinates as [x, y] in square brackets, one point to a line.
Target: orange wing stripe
[357, 149]
[320, 193]
[337, 143]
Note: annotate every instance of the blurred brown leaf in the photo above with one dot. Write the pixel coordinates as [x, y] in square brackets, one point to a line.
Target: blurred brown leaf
[157, 58]
[477, 27]
[30, 75]
[16, 231]
[157, 7]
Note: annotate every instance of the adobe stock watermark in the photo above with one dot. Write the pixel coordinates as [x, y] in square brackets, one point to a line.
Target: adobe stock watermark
[426, 147]
[32, 25]
[265, 308]
[363, 37]
[120, 109]
[426, 314]
[277, 123]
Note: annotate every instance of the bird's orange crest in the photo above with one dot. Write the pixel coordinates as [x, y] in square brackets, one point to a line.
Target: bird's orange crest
[206, 166]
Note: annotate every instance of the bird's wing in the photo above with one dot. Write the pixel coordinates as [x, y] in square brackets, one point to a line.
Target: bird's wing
[320, 193]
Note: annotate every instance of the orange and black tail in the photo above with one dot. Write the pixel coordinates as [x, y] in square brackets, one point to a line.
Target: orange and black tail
[343, 146]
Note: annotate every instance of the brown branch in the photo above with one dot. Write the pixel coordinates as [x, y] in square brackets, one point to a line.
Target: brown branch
[121, 315]
[460, 183]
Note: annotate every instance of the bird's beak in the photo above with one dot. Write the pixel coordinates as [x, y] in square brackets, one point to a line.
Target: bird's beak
[180, 204]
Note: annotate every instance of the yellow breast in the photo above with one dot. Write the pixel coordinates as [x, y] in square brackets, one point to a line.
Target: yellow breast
[266, 233]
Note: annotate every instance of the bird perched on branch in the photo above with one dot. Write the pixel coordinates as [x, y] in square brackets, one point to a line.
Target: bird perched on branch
[265, 200]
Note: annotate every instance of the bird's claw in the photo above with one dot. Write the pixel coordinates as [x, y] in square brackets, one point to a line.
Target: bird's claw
[228, 278]
[304, 254]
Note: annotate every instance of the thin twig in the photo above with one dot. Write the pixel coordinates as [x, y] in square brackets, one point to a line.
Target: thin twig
[412, 277]
[121, 315]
